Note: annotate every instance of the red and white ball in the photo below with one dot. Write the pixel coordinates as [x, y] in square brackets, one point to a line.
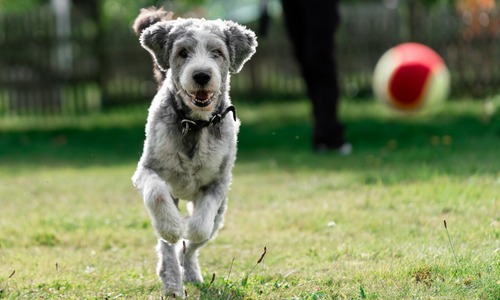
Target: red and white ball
[411, 77]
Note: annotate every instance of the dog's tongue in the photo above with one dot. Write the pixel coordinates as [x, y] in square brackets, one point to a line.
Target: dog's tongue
[201, 95]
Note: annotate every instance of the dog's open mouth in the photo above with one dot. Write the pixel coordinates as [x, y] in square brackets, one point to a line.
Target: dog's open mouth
[201, 98]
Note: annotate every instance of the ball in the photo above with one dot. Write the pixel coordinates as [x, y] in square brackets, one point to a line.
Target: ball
[411, 77]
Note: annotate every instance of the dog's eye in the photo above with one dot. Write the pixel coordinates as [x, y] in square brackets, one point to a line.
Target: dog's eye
[183, 54]
[217, 53]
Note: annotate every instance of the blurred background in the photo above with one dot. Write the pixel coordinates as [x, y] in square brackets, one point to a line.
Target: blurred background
[75, 86]
[79, 56]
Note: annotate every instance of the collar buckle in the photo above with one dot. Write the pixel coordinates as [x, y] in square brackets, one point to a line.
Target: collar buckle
[215, 120]
[186, 127]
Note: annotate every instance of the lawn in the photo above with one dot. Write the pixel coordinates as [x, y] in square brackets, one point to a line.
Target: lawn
[364, 226]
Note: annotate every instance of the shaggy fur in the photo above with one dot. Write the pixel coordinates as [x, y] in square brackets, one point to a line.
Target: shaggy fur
[197, 167]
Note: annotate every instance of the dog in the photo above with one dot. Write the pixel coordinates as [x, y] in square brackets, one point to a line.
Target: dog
[191, 134]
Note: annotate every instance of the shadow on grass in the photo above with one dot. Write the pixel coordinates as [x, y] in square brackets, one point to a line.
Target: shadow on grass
[387, 151]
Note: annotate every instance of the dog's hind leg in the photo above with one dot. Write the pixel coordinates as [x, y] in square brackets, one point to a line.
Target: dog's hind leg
[168, 268]
[162, 208]
[191, 272]
[189, 260]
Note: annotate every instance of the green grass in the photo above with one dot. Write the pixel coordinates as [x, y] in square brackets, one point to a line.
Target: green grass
[66, 198]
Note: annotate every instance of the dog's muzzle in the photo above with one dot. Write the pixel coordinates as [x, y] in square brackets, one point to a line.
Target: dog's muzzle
[201, 98]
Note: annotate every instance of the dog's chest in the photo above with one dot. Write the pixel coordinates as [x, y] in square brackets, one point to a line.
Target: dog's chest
[189, 166]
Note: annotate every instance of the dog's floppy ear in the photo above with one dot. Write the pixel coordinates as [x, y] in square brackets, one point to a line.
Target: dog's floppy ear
[156, 40]
[241, 44]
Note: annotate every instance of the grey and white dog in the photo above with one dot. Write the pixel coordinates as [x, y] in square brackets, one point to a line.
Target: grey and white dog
[189, 150]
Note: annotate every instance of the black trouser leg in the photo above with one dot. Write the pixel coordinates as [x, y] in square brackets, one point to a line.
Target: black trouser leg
[311, 25]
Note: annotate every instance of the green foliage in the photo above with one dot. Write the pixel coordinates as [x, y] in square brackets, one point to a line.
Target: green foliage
[113, 11]
[244, 281]
[362, 292]
[9, 6]
[45, 239]
[126, 11]
[427, 3]
[317, 296]
[431, 3]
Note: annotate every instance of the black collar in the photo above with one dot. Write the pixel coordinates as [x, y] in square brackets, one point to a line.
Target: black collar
[216, 120]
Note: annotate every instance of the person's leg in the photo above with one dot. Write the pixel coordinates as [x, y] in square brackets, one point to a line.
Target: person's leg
[320, 71]
[311, 26]
[293, 12]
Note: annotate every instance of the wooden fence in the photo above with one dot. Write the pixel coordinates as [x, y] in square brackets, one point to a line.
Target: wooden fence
[109, 68]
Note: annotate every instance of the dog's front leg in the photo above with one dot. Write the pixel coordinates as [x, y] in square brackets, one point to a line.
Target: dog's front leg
[163, 211]
[201, 224]
[189, 259]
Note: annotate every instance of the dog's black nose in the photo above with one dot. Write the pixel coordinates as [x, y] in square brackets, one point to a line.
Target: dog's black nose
[201, 77]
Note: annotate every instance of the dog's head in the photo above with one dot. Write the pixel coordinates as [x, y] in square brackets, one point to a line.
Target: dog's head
[200, 55]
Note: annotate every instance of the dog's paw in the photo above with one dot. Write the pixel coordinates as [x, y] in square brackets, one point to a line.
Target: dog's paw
[198, 229]
[173, 290]
[192, 273]
[171, 237]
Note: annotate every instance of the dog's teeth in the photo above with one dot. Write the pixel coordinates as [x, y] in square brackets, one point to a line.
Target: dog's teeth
[201, 101]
